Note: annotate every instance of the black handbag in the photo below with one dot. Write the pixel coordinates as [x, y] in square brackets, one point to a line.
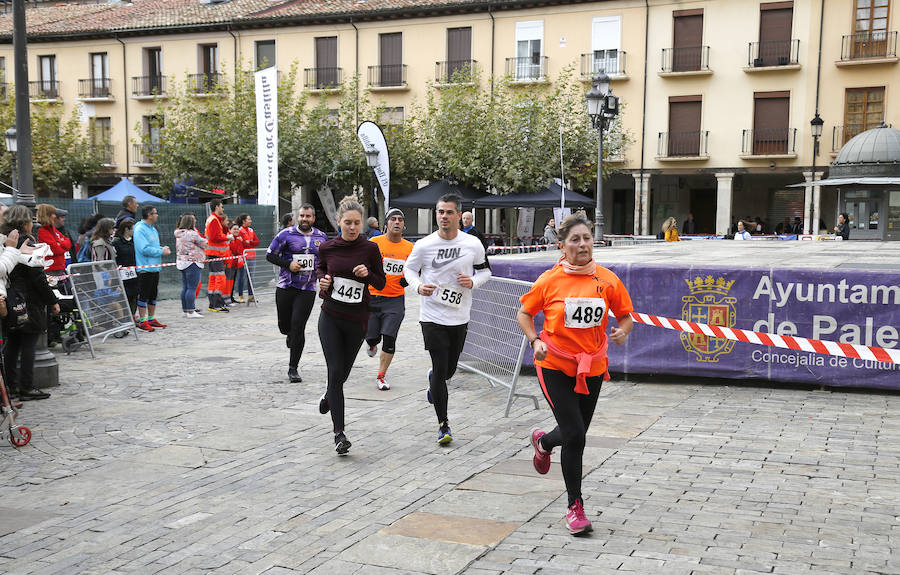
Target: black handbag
[16, 309]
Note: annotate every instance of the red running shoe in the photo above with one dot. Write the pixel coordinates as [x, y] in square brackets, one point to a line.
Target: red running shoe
[155, 323]
[145, 325]
[541, 458]
[577, 523]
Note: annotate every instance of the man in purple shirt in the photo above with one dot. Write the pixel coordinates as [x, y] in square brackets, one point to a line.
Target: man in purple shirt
[296, 251]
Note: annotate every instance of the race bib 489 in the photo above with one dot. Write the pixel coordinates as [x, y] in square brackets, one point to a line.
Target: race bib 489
[584, 312]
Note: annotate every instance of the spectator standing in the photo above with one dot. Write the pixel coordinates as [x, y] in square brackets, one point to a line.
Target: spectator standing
[373, 229]
[101, 242]
[128, 211]
[250, 242]
[670, 230]
[148, 252]
[690, 226]
[217, 238]
[550, 236]
[843, 226]
[468, 226]
[125, 258]
[31, 284]
[59, 222]
[189, 256]
[742, 233]
[287, 220]
[59, 244]
[233, 266]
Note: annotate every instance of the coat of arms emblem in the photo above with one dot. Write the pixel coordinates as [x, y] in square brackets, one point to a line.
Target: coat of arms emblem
[708, 303]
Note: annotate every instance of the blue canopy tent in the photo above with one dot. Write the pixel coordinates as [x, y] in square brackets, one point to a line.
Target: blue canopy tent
[126, 187]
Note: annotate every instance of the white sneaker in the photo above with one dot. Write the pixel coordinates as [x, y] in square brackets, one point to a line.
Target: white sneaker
[381, 384]
[372, 351]
[192, 314]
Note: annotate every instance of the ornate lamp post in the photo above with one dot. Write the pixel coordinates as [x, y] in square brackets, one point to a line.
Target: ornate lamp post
[602, 108]
[372, 162]
[815, 126]
[12, 147]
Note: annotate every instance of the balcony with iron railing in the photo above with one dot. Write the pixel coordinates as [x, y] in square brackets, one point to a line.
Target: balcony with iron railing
[142, 155]
[43, 91]
[683, 146]
[530, 69]
[775, 55]
[388, 77]
[455, 72]
[145, 87]
[877, 47]
[105, 153]
[686, 60]
[612, 66]
[95, 90]
[204, 84]
[769, 143]
[325, 79]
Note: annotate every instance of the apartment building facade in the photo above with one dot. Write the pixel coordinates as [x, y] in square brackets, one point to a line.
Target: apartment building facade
[718, 94]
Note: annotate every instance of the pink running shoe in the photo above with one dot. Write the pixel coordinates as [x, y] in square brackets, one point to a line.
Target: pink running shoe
[577, 523]
[541, 458]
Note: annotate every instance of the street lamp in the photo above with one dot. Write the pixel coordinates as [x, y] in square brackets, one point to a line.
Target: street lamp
[372, 162]
[12, 147]
[815, 126]
[602, 108]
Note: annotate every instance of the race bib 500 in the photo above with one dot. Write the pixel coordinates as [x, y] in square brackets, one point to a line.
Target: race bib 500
[307, 261]
[584, 312]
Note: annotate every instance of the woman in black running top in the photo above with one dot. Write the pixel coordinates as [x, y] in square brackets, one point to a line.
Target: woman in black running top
[348, 265]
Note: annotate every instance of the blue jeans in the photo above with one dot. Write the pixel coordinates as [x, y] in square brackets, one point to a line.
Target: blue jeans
[242, 281]
[190, 277]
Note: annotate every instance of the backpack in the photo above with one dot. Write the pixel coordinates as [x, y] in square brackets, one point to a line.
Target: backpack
[84, 252]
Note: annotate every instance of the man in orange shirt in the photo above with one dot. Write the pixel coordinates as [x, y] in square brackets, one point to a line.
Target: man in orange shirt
[389, 303]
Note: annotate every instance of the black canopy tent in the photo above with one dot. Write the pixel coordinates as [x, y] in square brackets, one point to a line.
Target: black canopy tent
[428, 196]
[547, 197]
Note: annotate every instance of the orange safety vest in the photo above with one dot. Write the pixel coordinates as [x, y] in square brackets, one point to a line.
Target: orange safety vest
[216, 238]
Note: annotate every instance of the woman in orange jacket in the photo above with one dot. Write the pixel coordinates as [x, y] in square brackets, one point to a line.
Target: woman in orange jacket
[576, 296]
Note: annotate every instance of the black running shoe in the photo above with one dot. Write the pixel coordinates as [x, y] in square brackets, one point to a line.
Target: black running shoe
[341, 443]
[293, 375]
[323, 404]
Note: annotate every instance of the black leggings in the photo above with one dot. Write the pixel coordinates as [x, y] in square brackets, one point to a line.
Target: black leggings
[444, 343]
[294, 306]
[340, 339]
[573, 412]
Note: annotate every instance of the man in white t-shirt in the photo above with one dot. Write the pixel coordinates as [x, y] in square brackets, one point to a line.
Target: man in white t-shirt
[444, 268]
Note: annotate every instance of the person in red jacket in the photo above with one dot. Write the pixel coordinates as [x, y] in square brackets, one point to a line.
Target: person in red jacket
[217, 238]
[251, 242]
[235, 266]
[59, 243]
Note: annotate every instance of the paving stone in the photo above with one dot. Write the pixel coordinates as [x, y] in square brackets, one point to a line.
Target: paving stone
[451, 528]
[412, 554]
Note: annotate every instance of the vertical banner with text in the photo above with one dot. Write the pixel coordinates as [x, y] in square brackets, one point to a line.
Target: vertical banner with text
[267, 135]
[372, 137]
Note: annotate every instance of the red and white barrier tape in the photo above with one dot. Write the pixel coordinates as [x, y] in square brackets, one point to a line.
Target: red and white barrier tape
[66, 276]
[865, 352]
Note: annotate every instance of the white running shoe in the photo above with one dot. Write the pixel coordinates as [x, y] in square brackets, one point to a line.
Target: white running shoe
[192, 314]
[372, 350]
[381, 384]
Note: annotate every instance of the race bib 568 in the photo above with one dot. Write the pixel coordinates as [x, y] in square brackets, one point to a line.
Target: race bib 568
[584, 312]
[393, 267]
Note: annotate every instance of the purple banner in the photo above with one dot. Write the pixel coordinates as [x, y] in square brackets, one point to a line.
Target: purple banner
[847, 306]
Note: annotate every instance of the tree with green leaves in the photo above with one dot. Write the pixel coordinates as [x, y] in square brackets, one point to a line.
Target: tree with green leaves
[62, 155]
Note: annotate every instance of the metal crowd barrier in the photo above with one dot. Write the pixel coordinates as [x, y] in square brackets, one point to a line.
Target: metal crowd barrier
[262, 274]
[495, 346]
[619, 241]
[101, 300]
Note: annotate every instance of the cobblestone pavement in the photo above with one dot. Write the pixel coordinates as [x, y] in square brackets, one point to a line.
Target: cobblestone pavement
[188, 452]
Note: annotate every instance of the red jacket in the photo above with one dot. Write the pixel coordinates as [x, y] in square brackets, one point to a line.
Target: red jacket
[250, 241]
[216, 237]
[237, 249]
[59, 246]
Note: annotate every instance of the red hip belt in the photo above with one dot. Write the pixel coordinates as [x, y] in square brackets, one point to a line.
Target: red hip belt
[582, 362]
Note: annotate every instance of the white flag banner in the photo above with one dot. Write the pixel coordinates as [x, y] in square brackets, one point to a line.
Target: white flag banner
[327, 199]
[267, 135]
[371, 136]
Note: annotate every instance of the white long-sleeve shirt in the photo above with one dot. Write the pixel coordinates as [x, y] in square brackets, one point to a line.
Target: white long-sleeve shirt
[437, 261]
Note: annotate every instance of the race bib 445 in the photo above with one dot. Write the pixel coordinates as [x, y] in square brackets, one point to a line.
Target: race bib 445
[347, 290]
[584, 312]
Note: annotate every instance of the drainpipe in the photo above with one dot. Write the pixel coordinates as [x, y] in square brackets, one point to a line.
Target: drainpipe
[125, 104]
[234, 43]
[493, 22]
[814, 212]
[356, 69]
[644, 114]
